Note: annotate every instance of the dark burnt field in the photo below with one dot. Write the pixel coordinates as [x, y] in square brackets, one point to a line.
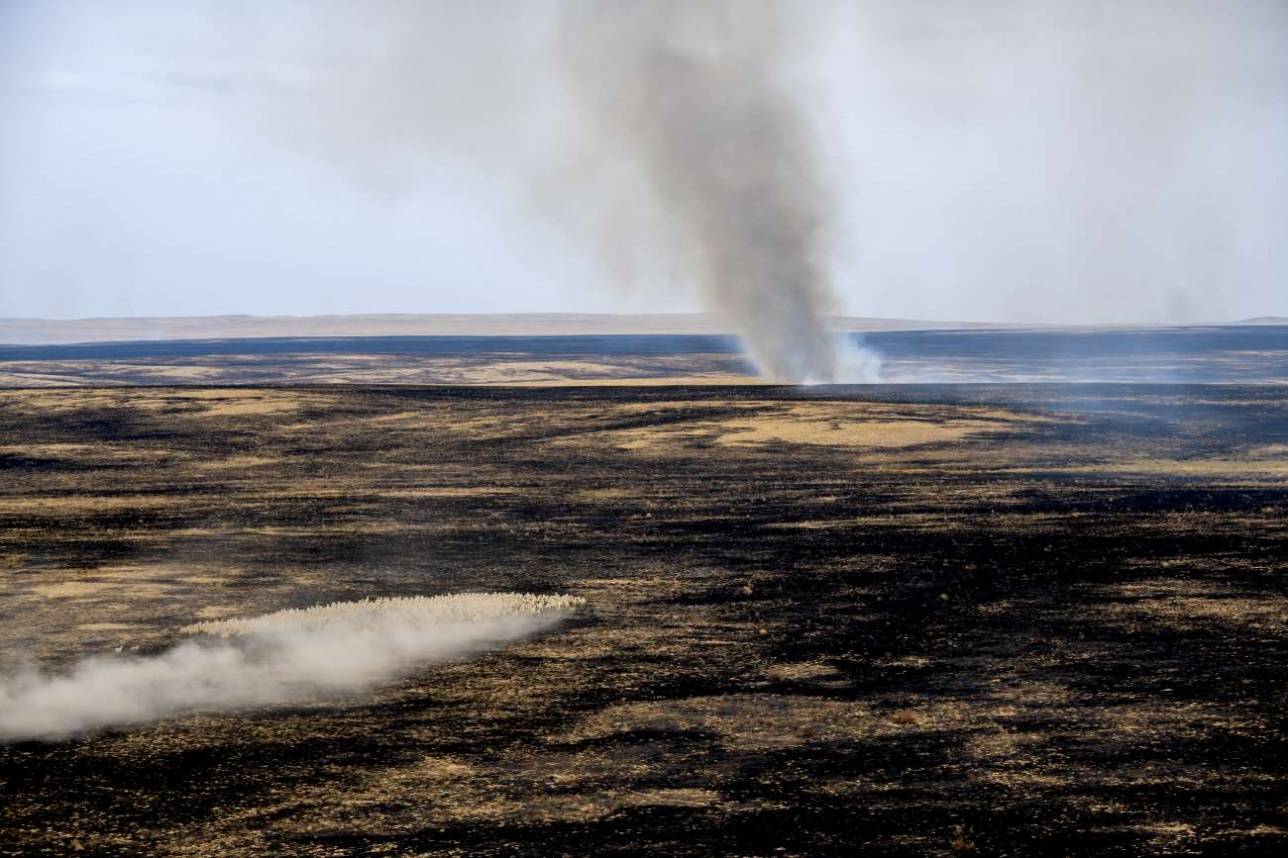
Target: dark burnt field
[994, 620]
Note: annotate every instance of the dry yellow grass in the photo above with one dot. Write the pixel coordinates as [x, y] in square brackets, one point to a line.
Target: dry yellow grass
[71, 589]
[843, 425]
[1193, 605]
[791, 429]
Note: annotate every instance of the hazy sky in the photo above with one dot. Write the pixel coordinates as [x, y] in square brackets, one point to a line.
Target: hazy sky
[1027, 160]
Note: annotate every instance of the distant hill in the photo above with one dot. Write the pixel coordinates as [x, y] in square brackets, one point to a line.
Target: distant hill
[65, 331]
[60, 331]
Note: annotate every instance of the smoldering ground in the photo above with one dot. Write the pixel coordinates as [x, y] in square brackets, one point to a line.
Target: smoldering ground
[291, 656]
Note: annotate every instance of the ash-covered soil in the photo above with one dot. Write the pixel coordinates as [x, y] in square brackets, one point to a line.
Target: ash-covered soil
[1014, 620]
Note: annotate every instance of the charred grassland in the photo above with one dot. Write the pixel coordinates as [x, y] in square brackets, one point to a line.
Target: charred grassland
[996, 620]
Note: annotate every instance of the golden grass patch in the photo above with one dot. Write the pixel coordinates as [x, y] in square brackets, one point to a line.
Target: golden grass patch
[833, 432]
[97, 503]
[71, 589]
[824, 424]
[447, 492]
[103, 627]
[249, 406]
[1189, 605]
[808, 672]
[1258, 466]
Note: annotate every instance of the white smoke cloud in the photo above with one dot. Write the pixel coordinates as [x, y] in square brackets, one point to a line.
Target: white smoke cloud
[289, 656]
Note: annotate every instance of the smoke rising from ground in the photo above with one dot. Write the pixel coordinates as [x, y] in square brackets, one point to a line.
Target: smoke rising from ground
[1038, 160]
[288, 657]
[665, 136]
[693, 96]
[1054, 161]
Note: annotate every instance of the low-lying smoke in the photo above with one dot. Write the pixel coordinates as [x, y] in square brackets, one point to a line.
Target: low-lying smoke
[286, 657]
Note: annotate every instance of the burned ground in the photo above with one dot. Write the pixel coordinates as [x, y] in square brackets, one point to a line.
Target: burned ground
[992, 620]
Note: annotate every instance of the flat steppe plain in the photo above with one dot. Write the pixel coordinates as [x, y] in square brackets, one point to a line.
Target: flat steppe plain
[1002, 620]
[1242, 354]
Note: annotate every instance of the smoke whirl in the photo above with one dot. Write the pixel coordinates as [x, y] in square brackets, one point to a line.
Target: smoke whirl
[667, 138]
[690, 95]
[290, 656]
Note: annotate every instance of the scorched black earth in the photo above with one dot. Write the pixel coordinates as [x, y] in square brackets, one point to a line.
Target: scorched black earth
[1012, 620]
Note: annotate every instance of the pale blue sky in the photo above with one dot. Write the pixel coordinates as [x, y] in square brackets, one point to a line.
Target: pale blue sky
[1036, 161]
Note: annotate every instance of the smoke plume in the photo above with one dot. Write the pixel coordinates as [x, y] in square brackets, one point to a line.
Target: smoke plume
[288, 657]
[694, 96]
[1053, 161]
[666, 140]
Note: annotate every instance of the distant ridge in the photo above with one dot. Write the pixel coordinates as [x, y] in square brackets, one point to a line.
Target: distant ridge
[107, 330]
[66, 331]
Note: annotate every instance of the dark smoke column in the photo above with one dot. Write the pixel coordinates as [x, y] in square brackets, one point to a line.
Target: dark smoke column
[687, 92]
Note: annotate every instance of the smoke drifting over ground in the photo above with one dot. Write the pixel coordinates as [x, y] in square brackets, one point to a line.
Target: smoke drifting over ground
[290, 656]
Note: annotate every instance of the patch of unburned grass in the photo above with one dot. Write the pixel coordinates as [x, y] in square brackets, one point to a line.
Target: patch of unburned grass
[1181, 605]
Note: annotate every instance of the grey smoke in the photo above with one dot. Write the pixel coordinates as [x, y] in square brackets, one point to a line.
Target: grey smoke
[667, 137]
[288, 657]
[694, 96]
[1054, 161]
